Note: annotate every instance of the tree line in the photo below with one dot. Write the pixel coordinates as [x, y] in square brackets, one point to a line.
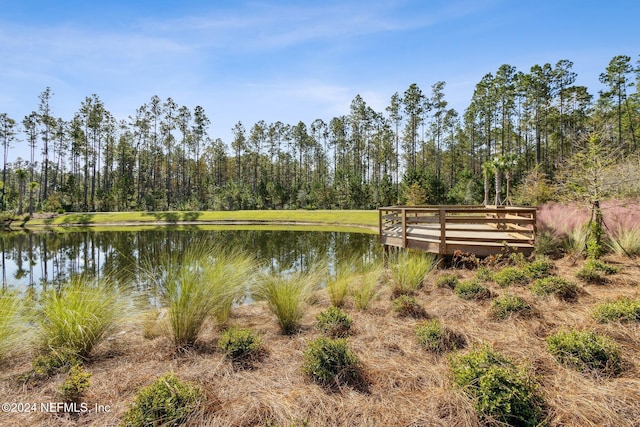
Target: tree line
[418, 150]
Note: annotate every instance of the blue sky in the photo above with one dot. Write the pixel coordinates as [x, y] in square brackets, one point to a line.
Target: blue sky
[290, 60]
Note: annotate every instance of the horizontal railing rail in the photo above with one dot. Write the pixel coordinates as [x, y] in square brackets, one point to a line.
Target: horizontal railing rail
[444, 229]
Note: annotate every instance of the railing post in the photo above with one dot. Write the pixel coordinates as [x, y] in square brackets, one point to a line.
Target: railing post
[380, 224]
[442, 213]
[404, 228]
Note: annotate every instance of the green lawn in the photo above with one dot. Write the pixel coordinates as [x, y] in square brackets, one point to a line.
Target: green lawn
[357, 218]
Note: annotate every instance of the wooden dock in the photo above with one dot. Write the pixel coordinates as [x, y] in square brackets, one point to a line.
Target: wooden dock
[443, 230]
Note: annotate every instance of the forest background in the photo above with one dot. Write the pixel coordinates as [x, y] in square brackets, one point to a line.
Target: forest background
[528, 129]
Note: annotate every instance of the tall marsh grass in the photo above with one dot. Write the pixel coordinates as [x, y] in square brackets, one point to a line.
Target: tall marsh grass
[286, 296]
[366, 288]
[626, 241]
[202, 283]
[74, 319]
[409, 270]
[9, 322]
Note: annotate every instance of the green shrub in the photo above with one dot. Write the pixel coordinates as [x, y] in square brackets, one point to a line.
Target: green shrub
[286, 296]
[239, 344]
[508, 305]
[622, 310]
[74, 385]
[593, 271]
[502, 391]
[331, 362]
[75, 318]
[365, 288]
[334, 322]
[557, 286]
[484, 274]
[471, 289]
[166, 402]
[539, 268]
[54, 361]
[409, 271]
[198, 284]
[449, 280]
[408, 306]
[10, 323]
[511, 276]
[586, 351]
[434, 337]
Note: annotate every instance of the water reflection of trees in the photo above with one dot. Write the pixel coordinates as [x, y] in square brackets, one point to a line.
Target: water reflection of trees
[39, 260]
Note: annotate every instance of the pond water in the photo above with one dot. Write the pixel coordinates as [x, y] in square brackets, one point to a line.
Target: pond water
[37, 260]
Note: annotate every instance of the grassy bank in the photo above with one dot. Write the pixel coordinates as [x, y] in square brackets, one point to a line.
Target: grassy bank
[357, 218]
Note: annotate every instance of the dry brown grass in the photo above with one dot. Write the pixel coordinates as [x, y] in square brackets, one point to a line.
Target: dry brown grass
[406, 386]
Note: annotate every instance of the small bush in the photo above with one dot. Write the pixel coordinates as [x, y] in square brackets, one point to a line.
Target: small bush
[471, 289]
[53, 362]
[511, 276]
[167, 401]
[77, 381]
[409, 271]
[502, 391]
[557, 286]
[408, 306]
[331, 362]
[484, 274]
[621, 310]
[434, 337]
[539, 268]
[334, 322]
[240, 345]
[593, 271]
[586, 351]
[508, 305]
[447, 281]
[365, 288]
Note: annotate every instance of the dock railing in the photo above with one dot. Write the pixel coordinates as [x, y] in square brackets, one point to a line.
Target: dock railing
[445, 229]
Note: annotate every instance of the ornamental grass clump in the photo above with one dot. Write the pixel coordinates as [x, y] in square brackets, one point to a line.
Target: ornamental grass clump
[626, 242]
[286, 296]
[365, 288]
[434, 337]
[334, 322]
[472, 289]
[556, 286]
[72, 320]
[624, 309]
[507, 306]
[168, 401]
[199, 284]
[408, 272]
[586, 351]
[503, 392]
[240, 345]
[10, 323]
[509, 276]
[330, 362]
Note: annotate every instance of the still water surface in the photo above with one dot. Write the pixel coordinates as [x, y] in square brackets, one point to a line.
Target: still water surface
[37, 260]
